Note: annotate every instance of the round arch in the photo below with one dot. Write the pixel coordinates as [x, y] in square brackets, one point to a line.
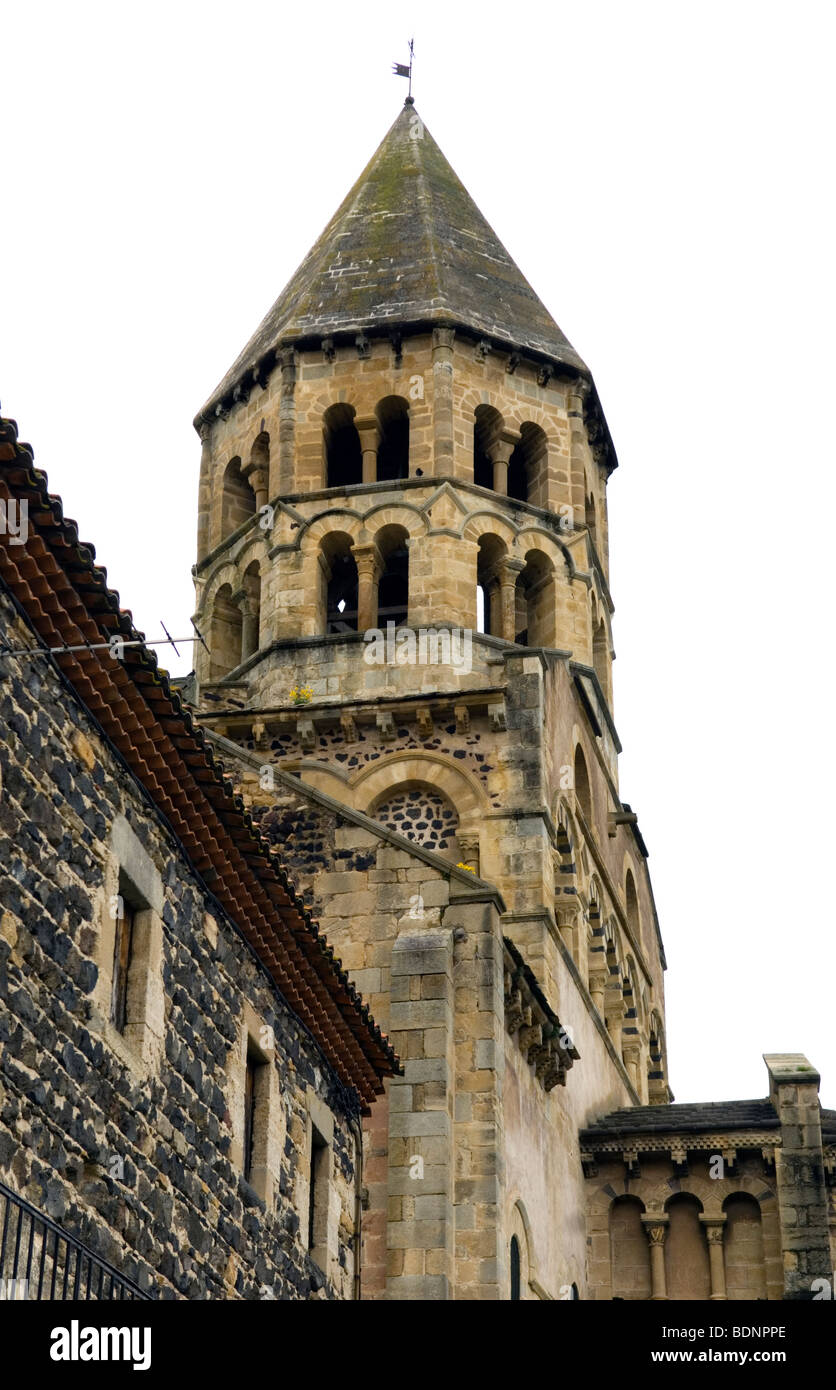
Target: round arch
[461, 788]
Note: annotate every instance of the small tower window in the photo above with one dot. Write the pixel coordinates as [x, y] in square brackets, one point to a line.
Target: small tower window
[582, 788]
[489, 560]
[393, 585]
[535, 602]
[526, 467]
[343, 455]
[393, 449]
[486, 427]
[237, 501]
[340, 584]
[225, 634]
[600, 658]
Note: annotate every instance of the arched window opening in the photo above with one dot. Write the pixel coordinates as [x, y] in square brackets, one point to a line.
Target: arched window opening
[687, 1274]
[393, 449]
[251, 611]
[486, 430]
[743, 1248]
[491, 554]
[631, 900]
[225, 634]
[629, 1251]
[526, 467]
[516, 1265]
[583, 792]
[590, 517]
[534, 608]
[421, 813]
[339, 572]
[393, 585]
[258, 471]
[600, 657]
[237, 499]
[343, 455]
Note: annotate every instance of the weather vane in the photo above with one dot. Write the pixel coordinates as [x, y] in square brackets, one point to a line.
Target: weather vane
[404, 69]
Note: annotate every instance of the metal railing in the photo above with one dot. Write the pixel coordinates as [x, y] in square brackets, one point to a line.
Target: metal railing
[39, 1261]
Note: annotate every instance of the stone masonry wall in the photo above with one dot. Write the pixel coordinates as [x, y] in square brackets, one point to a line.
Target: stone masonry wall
[75, 1106]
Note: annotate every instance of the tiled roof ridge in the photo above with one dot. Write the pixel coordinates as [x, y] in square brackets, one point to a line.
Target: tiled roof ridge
[18, 474]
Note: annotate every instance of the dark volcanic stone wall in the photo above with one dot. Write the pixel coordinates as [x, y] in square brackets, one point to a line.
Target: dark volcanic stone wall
[180, 1220]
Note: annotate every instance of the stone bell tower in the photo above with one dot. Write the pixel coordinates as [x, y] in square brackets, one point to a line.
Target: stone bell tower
[409, 445]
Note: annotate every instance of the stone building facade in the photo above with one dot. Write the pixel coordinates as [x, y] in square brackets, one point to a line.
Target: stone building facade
[188, 1106]
[402, 583]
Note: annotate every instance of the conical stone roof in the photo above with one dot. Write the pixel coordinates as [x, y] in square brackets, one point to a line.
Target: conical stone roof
[407, 247]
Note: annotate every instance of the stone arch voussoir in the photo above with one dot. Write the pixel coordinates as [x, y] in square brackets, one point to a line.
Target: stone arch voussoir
[434, 770]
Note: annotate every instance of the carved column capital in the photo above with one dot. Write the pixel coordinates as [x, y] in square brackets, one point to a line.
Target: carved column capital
[656, 1229]
[367, 558]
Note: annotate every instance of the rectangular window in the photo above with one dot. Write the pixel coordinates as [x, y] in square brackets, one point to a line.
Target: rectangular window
[249, 1113]
[318, 1199]
[122, 964]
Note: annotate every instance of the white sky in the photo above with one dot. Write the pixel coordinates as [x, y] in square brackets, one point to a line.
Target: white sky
[662, 173]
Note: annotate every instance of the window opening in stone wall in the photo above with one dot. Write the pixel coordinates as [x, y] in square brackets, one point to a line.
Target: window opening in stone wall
[486, 427]
[393, 449]
[225, 634]
[122, 960]
[339, 568]
[237, 500]
[318, 1198]
[534, 602]
[249, 1111]
[489, 561]
[583, 792]
[526, 466]
[600, 657]
[590, 518]
[393, 585]
[343, 454]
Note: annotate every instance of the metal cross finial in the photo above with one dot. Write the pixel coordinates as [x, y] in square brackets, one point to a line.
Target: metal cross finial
[404, 70]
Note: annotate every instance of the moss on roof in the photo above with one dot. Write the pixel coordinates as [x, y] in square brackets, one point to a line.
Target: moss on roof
[407, 246]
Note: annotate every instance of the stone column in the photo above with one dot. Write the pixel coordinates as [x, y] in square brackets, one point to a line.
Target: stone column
[256, 476]
[501, 451]
[249, 630]
[443, 400]
[578, 448]
[656, 1228]
[369, 432]
[567, 921]
[469, 847]
[799, 1172]
[714, 1235]
[508, 573]
[597, 986]
[614, 1014]
[368, 571]
[204, 501]
[282, 471]
[632, 1060]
